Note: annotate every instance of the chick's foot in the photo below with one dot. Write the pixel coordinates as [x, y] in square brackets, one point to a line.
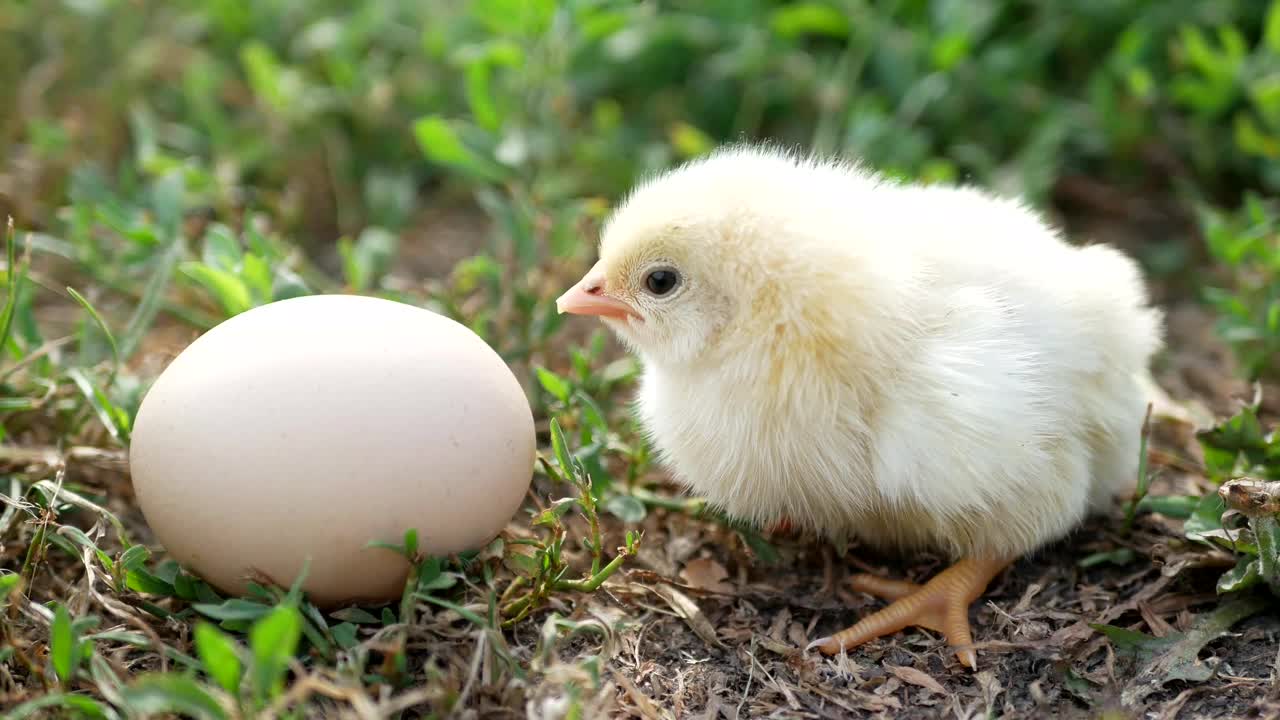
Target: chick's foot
[941, 605]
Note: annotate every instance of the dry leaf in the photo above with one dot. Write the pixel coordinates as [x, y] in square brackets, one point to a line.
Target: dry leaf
[706, 574]
[688, 609]
[643, 705]
[916, 677]
[991, 689]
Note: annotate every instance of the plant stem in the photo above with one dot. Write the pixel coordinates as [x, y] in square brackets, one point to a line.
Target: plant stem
[688, 505]
[1144, 482]
[1266, 530]
[592, 583]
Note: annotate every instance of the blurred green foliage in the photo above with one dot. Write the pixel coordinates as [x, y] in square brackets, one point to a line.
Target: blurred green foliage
[1246, 245]
[318, 109]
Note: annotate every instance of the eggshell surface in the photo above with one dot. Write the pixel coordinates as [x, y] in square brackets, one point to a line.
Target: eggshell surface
[309, 427]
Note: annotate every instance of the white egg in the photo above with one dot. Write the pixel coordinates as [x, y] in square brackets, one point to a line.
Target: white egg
[306, 428]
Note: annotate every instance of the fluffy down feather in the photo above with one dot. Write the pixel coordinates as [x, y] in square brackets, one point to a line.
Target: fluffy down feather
[917, 366]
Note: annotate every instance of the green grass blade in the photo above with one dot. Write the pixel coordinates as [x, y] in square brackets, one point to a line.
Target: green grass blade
[12, 278]
[218, 653]
[273, 640]
[62, 645]
[84, 707]
[149, 305]
[102, 325]
[112, 416]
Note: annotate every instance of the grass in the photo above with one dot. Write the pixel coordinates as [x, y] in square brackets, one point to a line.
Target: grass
[172, 164]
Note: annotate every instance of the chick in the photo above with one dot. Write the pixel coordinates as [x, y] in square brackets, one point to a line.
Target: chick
[919, 367]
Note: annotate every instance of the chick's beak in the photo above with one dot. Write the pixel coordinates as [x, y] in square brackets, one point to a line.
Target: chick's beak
[589, 298]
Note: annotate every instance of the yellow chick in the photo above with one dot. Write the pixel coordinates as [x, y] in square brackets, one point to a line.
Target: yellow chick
[915, 366]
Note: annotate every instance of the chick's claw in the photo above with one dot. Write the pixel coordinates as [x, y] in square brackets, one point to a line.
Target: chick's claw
[941, 605]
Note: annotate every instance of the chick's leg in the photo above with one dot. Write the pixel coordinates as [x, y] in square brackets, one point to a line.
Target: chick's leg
[941, 605]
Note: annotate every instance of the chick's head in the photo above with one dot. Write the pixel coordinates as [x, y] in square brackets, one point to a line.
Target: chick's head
[658, 288]
[703, 257]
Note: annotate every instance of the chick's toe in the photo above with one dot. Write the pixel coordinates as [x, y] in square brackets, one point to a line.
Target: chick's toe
[883, 588]
[941, 605]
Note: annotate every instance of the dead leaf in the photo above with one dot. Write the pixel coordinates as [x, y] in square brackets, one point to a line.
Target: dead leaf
[690, 612]
[991, 689]
[775, 646]
[796, 634]
[916, 677]
[706, 574]
[643, 705]
[1165, 407]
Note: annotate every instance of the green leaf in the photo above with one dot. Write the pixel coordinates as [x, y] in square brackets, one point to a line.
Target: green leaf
[157, 694]
[1244, 575]
[556, 511]
[83, 707]
[345, 634]
[135, 557]
[1174, 506]
[527, 565]
[267, 78]
[1271, 31]
[557, 386]
[480, 95]
[442, 144]
[228, 289]
[625, 508]
[256, 275]
[809, 18]
[140, 580]
[767, 553]
[1176, 656]
[78, 537]
[9, 583]
[592, 415]
[167, 201]
[528, 18]
[1133, 642]
[186, 587]
[355, 615]
[218, 655]
[367, 260]
[411, 543]
[561, 450]
[688, 141]
[1119, 556]
[232, 609]
[63, 646]
[221, 248]
[273, 640]
[436, 581]
[1207, 517]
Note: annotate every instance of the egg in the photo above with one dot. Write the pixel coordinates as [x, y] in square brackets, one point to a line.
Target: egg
[304, 429]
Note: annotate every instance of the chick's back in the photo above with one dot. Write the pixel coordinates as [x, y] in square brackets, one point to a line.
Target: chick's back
[1018, 406]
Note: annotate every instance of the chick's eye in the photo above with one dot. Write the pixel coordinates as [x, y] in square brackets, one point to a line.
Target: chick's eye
[661, 282]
